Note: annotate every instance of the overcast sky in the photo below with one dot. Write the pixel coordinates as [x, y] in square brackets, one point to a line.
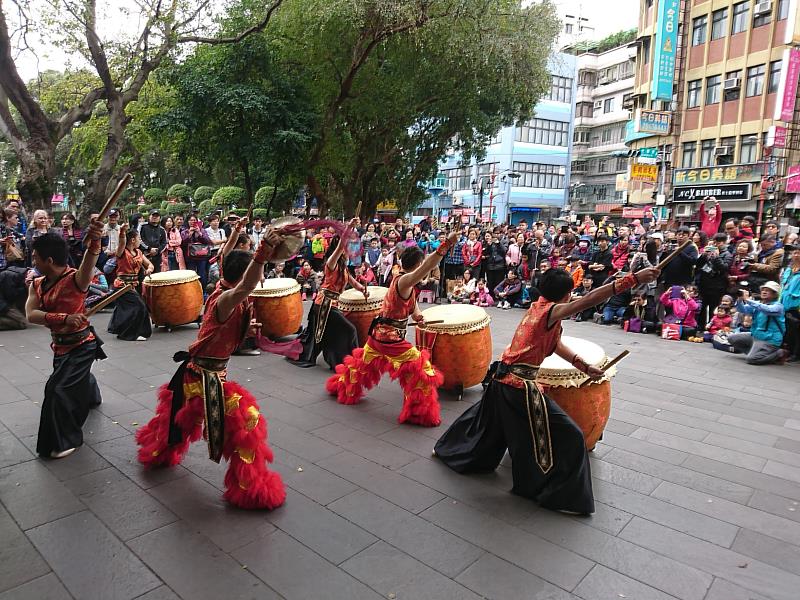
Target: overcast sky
[606, 16]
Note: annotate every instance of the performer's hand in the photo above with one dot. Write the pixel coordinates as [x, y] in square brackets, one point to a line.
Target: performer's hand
[594, 373]
[452, 239]
[76, 321]
[149, 270]
[365, 291]
[254, 329]
[648, 275]
[266, 250]
[240, 224]
[95, 231]
[418, 318]
[123, 229]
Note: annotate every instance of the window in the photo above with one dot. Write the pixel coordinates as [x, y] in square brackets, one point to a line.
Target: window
[568, 28]
[689, 154]
[693, 89]
[707, 153]
[755, 81]
[586, 77]
[608, 105]
[646, 51]
[739, 22]
[747, 149]
[783, 10]
[712, 89]
[579, 166]
[734, 93]
[602, 166]
[581, 136]
[561, 89]
[719, 23]
[584, 109]
[699, 30]
[458, 179]
[486, 169]
[622, 164]
[763, 18]
[774, 76]
[730, 144]
[626, 69]
[543, 131]
[540, 176]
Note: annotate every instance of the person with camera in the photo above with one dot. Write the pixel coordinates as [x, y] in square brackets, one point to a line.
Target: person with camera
[768, 262]
[713, 266]
[762, 344]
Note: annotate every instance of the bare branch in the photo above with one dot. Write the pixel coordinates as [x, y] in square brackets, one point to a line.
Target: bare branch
[258, 27]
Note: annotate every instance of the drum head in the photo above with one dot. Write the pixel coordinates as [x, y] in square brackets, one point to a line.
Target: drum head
[276, 288]
[456, 319]
[558, 372]
[353, 300]
[171, 277]
[291, 243]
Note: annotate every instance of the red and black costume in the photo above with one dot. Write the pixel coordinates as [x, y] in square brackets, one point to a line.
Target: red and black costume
[387, 350]
[71, 391]
[130, 319]
[199, 394]
[328, 331]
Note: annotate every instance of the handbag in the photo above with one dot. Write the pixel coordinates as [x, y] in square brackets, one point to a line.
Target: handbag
[199, 251]
[13, 253]
[671, 331]
[633, 325]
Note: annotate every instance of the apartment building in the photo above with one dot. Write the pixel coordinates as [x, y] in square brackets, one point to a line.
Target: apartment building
[599, 155]
[734, 62]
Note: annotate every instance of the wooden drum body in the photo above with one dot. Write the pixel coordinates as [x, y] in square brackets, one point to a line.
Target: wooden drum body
[360, 311]
[588, 406]
[173, 297]
[277, 306]
[460, 346]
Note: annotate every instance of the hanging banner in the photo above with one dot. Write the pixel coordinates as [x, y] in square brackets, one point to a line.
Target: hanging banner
[651, 121]
[793, 180]
[666, 45]
[787, 87]
[776, 137]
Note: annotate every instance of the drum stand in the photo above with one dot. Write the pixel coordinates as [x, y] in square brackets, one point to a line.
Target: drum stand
[458, 392]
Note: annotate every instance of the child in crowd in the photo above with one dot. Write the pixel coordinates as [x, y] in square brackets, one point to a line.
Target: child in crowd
[385, 265]
[509, 291]
[482, 297]
[721, 321]
[464, 289]
[365, 275]
[681, 309]
[373, 255]
[585, 288]
[576, 270]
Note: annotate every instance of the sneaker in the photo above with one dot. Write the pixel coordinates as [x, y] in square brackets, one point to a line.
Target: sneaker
[248, 352]
[62, 454]
[141, 338]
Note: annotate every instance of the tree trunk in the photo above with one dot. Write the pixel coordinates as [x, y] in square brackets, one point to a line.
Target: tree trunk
[272, 199]
[248, 182]
[37, 167]
[101, 181]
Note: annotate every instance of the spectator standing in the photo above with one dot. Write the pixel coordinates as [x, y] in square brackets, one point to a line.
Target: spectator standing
[215, 234]
[601, 262]
[495, 261]
[153, 240]
[172, 256]
[739, 271]
[354, 252]
[790, 298]
[111, 233]
[454, 261]
[197, 249]
[22, 225]
[713, 267]
[12, 245]
[40, 226]
[762, 344]
[257, 232]
[681, 270]
[768, 262]
[710, 219]
[514, 251]
[472, 252]
[71, 232]
[735, 234]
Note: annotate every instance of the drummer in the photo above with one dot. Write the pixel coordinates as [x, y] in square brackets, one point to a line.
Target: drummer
[328, 331]
[549, 460]
[131, 319]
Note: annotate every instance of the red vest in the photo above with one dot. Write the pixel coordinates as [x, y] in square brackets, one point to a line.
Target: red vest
[219, 339]
[63, 297]
[532, 341]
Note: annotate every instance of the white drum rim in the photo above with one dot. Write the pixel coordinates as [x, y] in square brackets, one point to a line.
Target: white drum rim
[353, 301]
[171, 278]
[559, 373]
[276, 288]
[479, 321]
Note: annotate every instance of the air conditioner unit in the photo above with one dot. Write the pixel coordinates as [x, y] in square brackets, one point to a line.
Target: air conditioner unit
[723, 150]
[598, 104]
[762, 8]
[734, 83]
[457, 201]
[684, 210]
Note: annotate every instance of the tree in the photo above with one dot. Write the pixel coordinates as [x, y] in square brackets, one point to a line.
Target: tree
[180, 192]
[123, 67]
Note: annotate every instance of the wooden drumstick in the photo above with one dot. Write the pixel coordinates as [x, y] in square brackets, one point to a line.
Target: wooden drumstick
[415, 324]
[112, 199]
[108, 300]
[673, 256]
[358, 209]
[608, 365]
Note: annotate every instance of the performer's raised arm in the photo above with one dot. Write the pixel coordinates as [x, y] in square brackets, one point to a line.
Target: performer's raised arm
[340, 247]
[85, 272]
[408, 280]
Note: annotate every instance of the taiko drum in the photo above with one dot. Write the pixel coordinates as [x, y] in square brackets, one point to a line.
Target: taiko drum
[360, 311]
[173, 297]
[588, 406]
[278, 307]
[460, 346]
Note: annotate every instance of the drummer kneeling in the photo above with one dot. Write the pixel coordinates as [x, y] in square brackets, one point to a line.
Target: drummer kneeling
[549, 460]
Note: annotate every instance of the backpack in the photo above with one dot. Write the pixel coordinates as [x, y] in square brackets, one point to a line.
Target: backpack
[317, 247]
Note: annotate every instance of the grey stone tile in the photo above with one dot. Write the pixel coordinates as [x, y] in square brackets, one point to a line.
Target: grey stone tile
[620, 427]
[756, 449]
[721, 562]
[125, 508]
[19, 560]
[605, 584]
[21, 418]
[121, 453]
[767, 549]
[160, 593]
[297, 573]
[666, 514]
[605, 518]
[72, 543]
[733, 457]
[365, 446]
[725, 590]
[410, 439]
[310, 480]
[351, 416]
[776, 485]
[413, 535]
[12, 451]
[196, 461]
[624, 477]
[100, 428]
[34, 496]
[788, 445]
[776, 505]
[767, 431]
[397, 575]
[770, 409]
[298, 442]
[201, 506]
[387, 484]
[84, 460]
[643, 448]
[305, 419]
[716, 427]
[782, 470]
[320, 528]
[209, 575]
[656, 424]
[497, 579]
[534, 554]
[731, 512]
[47, 587]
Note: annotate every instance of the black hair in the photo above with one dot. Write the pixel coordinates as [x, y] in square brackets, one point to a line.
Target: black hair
[555, 284]
[411, 258]
[243, 239]
[332, 245]
[768, 237]
[164, 221]
[236, 261]
[720, 237]
[749, 218]
[683, 229]
[703, 237]
[602, 238]
[733, 220]
[651, 250]
[51, 245]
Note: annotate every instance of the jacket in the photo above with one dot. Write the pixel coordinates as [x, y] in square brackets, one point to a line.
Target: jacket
[681, 270]
[708, 224]
[712, 271]
[152, 236]
[769, 320]
[602, 257]
[495, 256]
[683, 310]
[471, 254]
[767, 267]
[790, 295]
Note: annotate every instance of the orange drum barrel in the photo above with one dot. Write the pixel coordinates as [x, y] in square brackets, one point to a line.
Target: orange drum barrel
[173, 297]
[460, 346]
[277, 306]
[360, 311]
[588, 406]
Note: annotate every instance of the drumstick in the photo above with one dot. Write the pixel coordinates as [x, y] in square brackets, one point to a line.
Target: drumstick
[358, 209]
[608, 365]
[123, 183]
[108, 300]
[414, 323]
[674, 255]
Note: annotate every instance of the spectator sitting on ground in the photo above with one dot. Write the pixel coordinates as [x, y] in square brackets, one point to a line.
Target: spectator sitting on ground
[308, 281]
[464, 288]
[576, 270]
[534, 294]
[681, 308]
[276, 272]
[721, 321]
[600, 265]
[762, 344]
[482, 297]
[509, 291]
[615, 308]
[585, 288]
[620, 253]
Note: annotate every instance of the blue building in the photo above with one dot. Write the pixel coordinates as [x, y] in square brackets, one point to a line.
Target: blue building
[526, 171]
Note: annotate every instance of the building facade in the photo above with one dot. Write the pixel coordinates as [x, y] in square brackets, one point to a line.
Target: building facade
[734, 122]
[599, 156]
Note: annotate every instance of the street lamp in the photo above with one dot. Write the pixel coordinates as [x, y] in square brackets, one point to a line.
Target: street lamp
[478, 189]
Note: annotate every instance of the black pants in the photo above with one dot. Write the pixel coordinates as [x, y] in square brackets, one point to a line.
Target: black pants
[478, 439]
[792, 337]
[131, 318]
[711, 300]
[339, 340]
[494, 277]
[69, 394]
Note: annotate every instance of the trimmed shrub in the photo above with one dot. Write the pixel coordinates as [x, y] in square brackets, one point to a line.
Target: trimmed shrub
[154, 196]
[205, 207]
[130, 209]
[260, 212]
[179, 208]
[239, 212]
[181, 192]
[262, 197]
[228, 195]
[203, 193]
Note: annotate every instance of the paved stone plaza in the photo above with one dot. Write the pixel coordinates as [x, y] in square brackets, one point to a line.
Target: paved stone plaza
[697, 483]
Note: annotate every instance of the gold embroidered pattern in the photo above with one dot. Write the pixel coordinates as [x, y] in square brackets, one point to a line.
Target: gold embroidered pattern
[247, 456]
[253, 417]
[232, 403]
